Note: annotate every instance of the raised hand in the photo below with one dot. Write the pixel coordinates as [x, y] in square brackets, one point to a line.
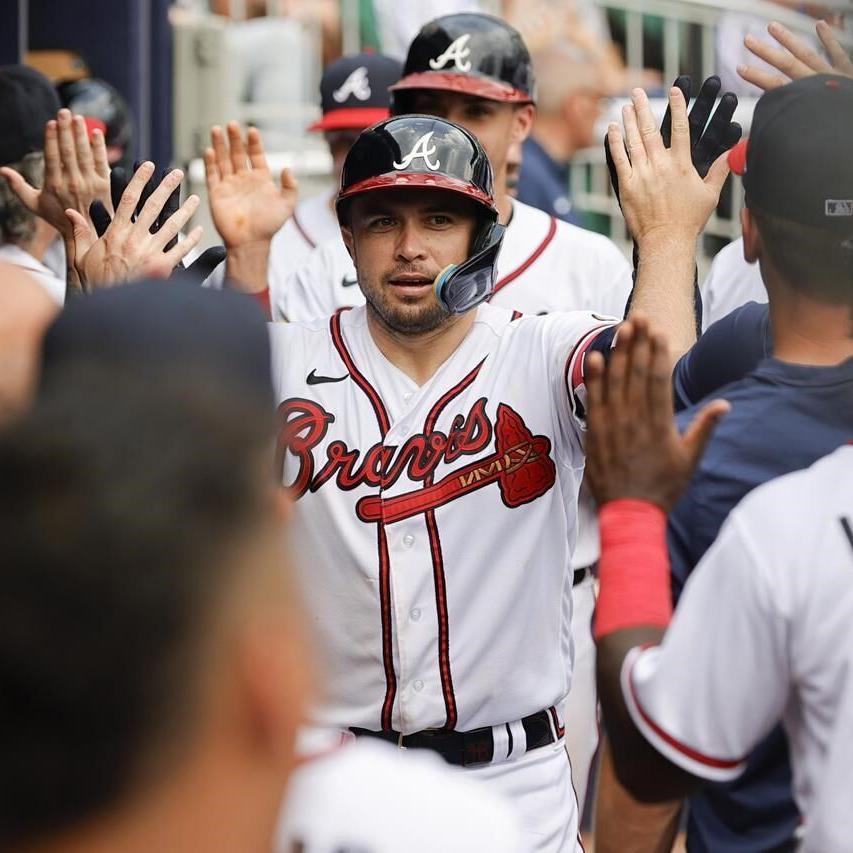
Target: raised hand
[76, 173]
[247, 206]
[633, 448]
[662, 194]
[128, 248]
[795, 58]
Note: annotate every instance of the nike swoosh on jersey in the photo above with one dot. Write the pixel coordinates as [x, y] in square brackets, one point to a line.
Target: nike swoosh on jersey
[314, 379]
[348, 282]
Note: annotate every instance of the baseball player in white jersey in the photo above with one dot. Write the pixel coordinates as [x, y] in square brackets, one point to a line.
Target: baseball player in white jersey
[475, 70]
[434, 444]
[730, 283]
[763, 629]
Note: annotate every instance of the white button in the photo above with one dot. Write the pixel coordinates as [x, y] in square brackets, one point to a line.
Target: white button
[408, 396]
[418, 685]
[408, 540]
[415, 615]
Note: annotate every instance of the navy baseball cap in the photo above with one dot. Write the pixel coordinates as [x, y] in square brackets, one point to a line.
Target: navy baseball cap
[166, 327]
[27, 102]
[797, 163]
[354, 91]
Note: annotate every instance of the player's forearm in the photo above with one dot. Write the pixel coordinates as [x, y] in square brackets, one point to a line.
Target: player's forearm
[623, 825]
[664, 290]
[246, 267]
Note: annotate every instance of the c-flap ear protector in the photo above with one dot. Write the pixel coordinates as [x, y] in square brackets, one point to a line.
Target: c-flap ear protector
[459, 287]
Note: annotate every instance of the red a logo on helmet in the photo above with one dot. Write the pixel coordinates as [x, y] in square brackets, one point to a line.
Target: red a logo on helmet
[457, 53]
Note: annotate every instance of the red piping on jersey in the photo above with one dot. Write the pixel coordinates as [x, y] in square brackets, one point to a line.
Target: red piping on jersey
[578, 354]
[382, 543]
[303, 232]
[438, 562]
[709, 761]
[515, 316]
[507, 279]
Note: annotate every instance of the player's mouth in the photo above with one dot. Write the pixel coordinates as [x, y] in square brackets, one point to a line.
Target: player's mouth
[411, 283]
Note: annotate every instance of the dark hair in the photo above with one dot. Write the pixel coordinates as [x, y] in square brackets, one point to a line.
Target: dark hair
[812, 262]
[118, 497]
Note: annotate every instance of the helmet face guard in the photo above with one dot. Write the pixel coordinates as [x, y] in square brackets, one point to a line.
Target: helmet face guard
[429, 153]
[460, 287]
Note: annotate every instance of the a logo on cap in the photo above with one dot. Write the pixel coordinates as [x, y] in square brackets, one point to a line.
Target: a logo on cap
[839, 207]
[423, 150]
[356, 85]
[457, 52]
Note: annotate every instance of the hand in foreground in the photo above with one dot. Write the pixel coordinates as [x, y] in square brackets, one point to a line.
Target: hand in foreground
[76, 173]
[633, 447]
[662, 194]
[202, 266]
[246, 205]
[127, 248]
[795, 58]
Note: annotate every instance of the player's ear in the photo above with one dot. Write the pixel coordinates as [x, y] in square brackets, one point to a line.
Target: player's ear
[522, 122]
[346, 236]
[752, 247]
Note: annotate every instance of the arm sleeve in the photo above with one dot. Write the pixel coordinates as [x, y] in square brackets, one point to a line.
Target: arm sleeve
[719, 681]
[730, 349]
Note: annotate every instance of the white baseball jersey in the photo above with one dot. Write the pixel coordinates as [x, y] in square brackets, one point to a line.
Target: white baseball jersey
[763, 631]
[544, 265]
[436, 523]
[368, 797]
[730, 283]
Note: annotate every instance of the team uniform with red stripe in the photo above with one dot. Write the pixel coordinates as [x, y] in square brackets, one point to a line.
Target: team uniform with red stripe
[764, 631]
[544, 265]
[435, 527]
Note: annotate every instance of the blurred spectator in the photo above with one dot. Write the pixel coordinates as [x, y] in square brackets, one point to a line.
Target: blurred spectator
[390, 25]
[27, 102]
[570, 93]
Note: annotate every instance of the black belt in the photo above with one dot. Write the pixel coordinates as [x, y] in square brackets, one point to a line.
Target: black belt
[581, 575]
[470, 748]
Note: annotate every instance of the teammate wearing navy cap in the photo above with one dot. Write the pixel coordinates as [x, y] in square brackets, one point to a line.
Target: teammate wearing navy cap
[794, 408]
[353, 96]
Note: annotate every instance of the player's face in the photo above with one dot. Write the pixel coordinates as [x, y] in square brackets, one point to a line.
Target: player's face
[400, 240]
[497, 126]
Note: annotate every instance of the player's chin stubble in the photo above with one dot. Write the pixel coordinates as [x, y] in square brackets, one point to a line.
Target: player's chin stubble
[414, 319]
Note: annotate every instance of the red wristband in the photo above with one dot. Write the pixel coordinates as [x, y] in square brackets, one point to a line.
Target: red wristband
[262, 297]
[633, 569]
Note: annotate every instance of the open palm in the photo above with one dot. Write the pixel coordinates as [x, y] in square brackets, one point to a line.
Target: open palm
[246, 205]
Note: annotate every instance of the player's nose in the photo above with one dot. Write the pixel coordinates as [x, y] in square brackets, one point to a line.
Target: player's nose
[410, 243]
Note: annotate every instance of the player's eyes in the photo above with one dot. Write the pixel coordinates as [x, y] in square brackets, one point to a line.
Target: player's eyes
[477, 111]
[381, 222]
[439, 219]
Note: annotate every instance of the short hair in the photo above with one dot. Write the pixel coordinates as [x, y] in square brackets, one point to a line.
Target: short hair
[118, 499]
[17, 224]
[811, 261]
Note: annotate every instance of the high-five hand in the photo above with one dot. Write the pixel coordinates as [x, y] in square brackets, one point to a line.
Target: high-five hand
[246, 205]
[127, 248]
[662, 194]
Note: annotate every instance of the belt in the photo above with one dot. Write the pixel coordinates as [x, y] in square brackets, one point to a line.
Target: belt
[581, 575]
[473, 747]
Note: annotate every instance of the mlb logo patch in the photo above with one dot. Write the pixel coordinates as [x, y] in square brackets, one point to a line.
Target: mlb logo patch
[839, 207]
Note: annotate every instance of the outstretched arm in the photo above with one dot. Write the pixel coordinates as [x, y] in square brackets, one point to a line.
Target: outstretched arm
[666, 204]
[246, 205]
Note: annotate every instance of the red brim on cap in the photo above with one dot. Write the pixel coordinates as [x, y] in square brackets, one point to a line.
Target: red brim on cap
[351, 118]
[467, 84]
[737, 157]
[403, 180]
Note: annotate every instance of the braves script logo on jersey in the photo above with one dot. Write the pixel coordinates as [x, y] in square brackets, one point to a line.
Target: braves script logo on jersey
[356, 85]
[422, 150]
[520, 465]
[457, 53]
